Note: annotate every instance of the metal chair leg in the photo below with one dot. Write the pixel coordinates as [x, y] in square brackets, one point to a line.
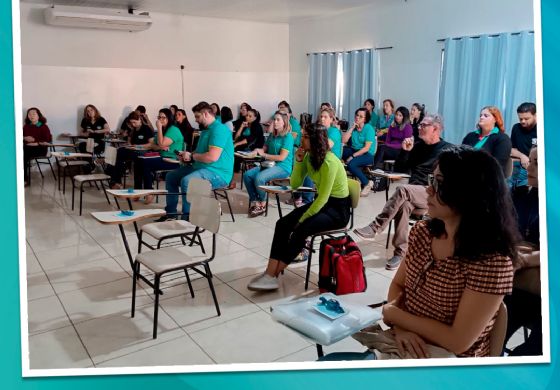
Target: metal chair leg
[73, 187]
[189, 282]
[135, 272]
[81, 195]
[209, 277]
[308, 272]
[156, 304]
[52, 169]
[105, 191]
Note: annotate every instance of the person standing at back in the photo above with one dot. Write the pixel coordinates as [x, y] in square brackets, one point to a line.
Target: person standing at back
[523, 137]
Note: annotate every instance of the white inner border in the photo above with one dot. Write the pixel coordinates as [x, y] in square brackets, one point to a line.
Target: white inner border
[27, 372]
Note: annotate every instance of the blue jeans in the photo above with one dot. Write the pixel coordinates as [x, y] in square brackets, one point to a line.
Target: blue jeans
[178, 181]
[256, 177]
[518, 176]
[356, 164]
[306, 196]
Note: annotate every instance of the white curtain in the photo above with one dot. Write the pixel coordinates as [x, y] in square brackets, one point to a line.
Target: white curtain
[322, 80]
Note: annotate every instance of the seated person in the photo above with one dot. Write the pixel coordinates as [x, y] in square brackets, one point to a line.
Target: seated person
[523, 134]
[329, 210]
[418, 160]
[294, 123]
[524, 304]
[168, 141]
[182, 122]
[216, 111]
[445, 296]
[369, 105]
[417, 113]
[36, 137]
[250, 135]
[490, 136]
[279, 147]
[94, 126]
[226, 117]
[212, 160]
[327, 119]
[359, 153]
[243, 110]
[139, 134]
[399, 130]
[385, 120]
[141, 110]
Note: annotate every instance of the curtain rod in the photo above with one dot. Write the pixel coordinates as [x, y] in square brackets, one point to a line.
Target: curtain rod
[478, 36]
[350, 51]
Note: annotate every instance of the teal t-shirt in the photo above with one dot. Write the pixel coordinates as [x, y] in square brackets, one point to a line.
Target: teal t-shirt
[176, 136]
[336, 137]
[384, 121]
[374, 120]
[275, 144]
[219, 118]
[296, 128]
[359, 138]
[218, 136]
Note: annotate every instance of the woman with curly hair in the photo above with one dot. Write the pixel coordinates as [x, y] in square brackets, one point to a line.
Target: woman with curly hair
[329, 210]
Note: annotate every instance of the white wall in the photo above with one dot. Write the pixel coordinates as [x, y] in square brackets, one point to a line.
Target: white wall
[409, 71]
[63, 69]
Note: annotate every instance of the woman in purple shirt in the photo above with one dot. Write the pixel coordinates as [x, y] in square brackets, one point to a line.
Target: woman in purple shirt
[398, 131]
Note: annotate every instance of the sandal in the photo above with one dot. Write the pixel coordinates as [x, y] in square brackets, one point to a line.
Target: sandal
[256, 211]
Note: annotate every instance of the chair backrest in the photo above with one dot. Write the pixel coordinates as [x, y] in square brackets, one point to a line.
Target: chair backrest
[354, 188]
[90, 145]
[498, 332]
[509, 168]
[205, 213]
[110, 155]
[198, 188]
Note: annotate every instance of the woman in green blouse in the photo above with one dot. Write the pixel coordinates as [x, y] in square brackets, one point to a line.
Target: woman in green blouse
[330, 210]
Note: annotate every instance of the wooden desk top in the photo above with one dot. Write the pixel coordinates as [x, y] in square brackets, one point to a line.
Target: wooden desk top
[70, 155]
[275, 189]
[171, 160]
[388, 175]
[115, 217]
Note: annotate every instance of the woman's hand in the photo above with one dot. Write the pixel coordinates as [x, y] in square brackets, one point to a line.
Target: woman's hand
[390, 308]
[29, 139]
[159, 126]
[300, 154]
[412, 343]
[259, 152]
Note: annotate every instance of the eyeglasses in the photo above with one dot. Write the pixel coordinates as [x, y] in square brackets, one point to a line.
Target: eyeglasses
[434, 183]
[421, 125]
[162, 117]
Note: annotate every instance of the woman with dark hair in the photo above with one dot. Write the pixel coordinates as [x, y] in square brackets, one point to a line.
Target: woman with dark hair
[216, 110]
[250, 136]
[360, 151]
[227, 117]
[279, 147]
[243, 109]
[173, 109]
[417, 113]
[399, 130]
[182, 122]
[445, 296]
[490, 136]
[139, 135]
[369, 105]
[36, 137]
[168, 141]
[329, 210]
[94, 126]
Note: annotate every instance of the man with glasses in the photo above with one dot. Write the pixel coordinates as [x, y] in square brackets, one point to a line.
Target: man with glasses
[212, 160]
[418, 160]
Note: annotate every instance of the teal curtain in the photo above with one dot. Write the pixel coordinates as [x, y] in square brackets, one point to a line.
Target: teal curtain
[322, 80]
[488, 70]
[360, 80]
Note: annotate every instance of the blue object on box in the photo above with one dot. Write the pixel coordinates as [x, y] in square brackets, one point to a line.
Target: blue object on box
[67, 153]
[130, 190]
[126, 213]
[330, 304]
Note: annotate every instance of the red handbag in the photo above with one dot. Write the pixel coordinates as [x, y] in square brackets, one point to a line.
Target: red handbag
[341, 267]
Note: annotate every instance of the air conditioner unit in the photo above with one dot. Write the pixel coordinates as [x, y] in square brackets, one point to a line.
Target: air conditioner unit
[97, 18]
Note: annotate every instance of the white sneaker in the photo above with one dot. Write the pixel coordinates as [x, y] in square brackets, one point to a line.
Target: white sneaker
[264, 282]
[367, 189]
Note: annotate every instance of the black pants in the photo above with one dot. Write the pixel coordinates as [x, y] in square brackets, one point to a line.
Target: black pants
[29, 153]
[289, 240]
[524, 309]
[116, 172]
[385, 153]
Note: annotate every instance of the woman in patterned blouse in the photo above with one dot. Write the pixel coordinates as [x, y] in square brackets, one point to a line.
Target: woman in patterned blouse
[458, 266]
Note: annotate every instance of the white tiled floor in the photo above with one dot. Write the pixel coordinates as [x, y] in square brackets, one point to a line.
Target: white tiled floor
[79, 290]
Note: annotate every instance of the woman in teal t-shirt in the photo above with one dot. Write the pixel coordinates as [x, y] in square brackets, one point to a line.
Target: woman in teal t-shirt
[369, 105]
[361, 149]
[167, 141]
[327, 119]
[278, 148]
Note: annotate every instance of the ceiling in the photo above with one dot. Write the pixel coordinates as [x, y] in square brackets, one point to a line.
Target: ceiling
[270, 11]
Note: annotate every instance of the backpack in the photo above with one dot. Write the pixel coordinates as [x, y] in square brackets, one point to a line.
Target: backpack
[341, 267]
[379, 183]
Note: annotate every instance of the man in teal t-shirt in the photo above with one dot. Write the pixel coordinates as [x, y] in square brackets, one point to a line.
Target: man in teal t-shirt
[212, 160]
